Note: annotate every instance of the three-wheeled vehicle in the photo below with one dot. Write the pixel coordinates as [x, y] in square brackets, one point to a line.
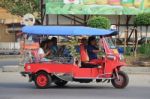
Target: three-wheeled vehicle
[45, 73]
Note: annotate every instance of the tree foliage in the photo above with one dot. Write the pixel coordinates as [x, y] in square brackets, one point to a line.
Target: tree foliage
[21, 7]
[99, 22]
[142, 19]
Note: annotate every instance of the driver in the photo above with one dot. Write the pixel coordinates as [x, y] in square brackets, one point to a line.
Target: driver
[93, 50]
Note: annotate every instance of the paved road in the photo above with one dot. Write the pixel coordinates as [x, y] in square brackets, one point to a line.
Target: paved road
[6, 62]
[13, 86]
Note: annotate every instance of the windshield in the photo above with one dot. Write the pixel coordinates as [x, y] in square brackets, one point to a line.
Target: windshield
[110, 42]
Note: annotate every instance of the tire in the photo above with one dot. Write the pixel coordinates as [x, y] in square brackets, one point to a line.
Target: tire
[42, 80]
[123, 82]
[60, 83]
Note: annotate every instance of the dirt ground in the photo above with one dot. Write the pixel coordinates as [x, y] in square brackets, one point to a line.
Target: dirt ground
[139, 60]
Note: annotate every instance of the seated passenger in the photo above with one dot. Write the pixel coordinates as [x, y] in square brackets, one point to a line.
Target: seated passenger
[93, 50]
[41, 53]
[54, 47]
[84, 41]
[83, 50]
[49, 45]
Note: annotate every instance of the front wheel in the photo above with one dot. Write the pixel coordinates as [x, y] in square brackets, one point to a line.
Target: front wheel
[122, 82]
[42, 80]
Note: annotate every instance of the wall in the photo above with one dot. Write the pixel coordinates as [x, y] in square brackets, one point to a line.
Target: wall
[5, 36]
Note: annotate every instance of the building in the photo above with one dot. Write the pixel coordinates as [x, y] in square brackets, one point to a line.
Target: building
[8, 26]
[76, 12]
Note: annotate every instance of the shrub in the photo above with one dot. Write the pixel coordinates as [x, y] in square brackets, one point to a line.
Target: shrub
[129, 50]
[99, 22]
[142, 19]
[145, 49]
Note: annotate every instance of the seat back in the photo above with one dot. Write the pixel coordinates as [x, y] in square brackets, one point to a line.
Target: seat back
[83, 53]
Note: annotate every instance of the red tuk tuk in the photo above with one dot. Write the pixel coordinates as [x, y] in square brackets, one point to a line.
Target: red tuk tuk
[45, 73]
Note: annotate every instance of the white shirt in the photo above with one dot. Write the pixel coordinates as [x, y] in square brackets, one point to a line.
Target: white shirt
[40, 51]
[40, 54]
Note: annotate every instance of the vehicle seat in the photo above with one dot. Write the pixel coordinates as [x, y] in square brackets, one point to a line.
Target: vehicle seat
[85, 58]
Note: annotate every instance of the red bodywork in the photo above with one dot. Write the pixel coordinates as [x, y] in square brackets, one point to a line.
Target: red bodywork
[105, 71]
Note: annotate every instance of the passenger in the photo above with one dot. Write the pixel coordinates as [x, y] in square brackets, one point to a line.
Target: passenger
[54, 47]
[84, 41]
[49, 48]
[93, 50]
[41, 53]
[83, 50]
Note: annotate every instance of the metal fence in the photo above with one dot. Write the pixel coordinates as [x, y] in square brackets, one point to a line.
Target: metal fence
[9, 48]
[9, 45]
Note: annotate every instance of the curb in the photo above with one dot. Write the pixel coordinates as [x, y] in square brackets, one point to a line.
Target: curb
[136, 70]
[10, 68]
[9, 56]
[0, 69]
[129, 70]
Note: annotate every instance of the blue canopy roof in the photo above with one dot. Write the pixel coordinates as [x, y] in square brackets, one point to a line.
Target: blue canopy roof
[66, 30]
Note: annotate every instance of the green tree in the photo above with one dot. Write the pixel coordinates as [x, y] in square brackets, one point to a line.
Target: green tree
[21, 7]
[99, 22]
[142, 20]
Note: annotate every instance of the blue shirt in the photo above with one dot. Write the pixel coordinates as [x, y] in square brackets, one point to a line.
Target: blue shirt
[54, 49]
[91, 54]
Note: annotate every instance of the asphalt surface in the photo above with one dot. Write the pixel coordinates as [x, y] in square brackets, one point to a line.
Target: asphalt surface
[13, 86]
[7, 62]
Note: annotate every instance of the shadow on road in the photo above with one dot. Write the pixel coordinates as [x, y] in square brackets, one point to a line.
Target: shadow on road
[69, 86]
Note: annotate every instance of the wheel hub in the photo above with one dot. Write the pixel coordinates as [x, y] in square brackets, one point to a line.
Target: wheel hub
[42, 80]
[119, 81]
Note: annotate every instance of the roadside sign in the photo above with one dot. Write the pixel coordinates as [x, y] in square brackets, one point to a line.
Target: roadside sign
[72, 1]
[28, 19]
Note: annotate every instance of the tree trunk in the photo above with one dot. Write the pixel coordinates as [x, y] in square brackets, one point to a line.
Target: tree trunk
[146, 34]
[141, 31]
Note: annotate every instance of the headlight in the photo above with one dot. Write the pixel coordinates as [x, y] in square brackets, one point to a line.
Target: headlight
[111, 57]
[121, 57]
[28, 67]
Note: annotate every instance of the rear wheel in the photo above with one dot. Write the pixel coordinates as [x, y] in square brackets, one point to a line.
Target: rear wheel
[42, 80]
[60, 82]
[122, 82]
